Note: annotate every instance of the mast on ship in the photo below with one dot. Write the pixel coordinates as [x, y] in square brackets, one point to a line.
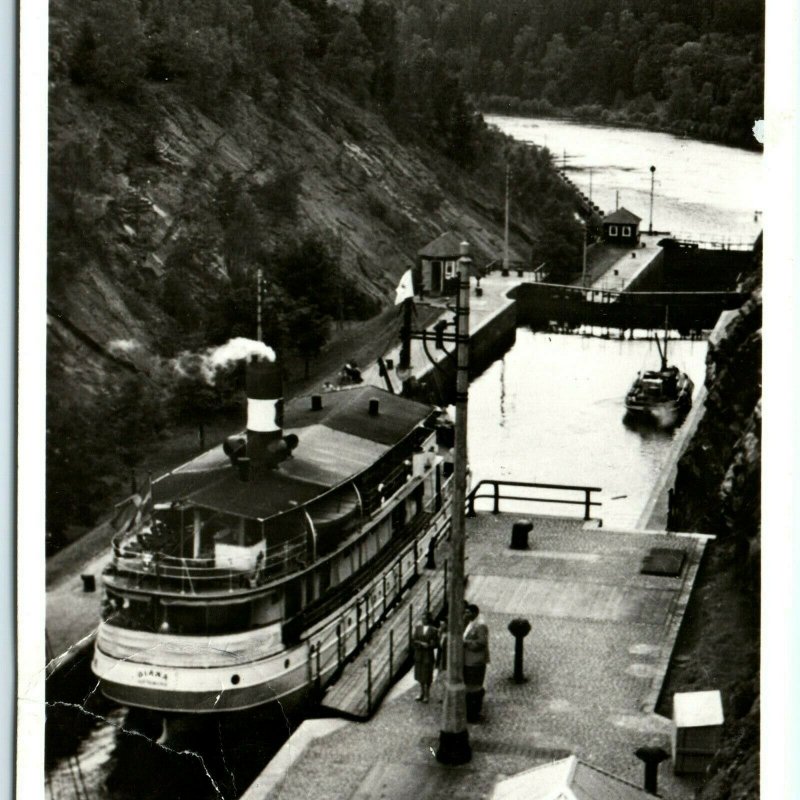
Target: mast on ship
[663, 353]
[259, 336]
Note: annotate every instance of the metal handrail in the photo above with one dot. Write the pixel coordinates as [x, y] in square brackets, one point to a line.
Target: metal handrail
[496, 496]
[196, 570]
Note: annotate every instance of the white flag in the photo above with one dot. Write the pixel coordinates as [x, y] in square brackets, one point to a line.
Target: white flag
[405, 288]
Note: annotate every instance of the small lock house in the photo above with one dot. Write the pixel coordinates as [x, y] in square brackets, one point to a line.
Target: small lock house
[621, 227]
[438, 264]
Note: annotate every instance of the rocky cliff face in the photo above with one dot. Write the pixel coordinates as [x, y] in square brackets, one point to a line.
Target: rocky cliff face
[724, 457]
[155, 182]
[718, 490]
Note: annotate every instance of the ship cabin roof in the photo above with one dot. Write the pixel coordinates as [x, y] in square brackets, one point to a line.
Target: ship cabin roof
[336, 444]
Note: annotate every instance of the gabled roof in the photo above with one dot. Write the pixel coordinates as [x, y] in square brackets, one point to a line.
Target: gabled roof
[622, 217]
[448, 245]
[568, 779]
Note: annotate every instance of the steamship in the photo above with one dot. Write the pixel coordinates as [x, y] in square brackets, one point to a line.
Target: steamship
[265, 562]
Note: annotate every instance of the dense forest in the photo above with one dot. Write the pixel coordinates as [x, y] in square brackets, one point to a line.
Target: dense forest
[687, 67]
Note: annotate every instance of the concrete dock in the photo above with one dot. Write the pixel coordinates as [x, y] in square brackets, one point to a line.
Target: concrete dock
[631, 264]
[596, 658]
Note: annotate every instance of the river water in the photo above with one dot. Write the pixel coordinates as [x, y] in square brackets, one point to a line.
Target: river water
[550, 411]
[702, 190]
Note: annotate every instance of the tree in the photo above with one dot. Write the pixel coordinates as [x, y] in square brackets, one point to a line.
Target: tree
[682, 95]
[378, 22]
[192, 400]
[109, 52]
[308, 331]
[347, 58]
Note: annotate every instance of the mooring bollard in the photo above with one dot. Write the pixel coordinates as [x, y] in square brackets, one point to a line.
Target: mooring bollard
[519, 629]
[652, 757]
[519, 534]
[89, 583]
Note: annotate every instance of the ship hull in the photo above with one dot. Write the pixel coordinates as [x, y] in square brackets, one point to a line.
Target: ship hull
[283, 683]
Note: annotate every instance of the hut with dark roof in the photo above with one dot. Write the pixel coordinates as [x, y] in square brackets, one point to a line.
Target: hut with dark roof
[621, 227]
[438, 264]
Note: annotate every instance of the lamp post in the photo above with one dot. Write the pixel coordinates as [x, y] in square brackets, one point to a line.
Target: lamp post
[505, 232]
[652, 184]
[454, 747]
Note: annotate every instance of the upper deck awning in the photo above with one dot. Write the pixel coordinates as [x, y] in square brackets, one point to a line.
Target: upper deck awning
[336, 443]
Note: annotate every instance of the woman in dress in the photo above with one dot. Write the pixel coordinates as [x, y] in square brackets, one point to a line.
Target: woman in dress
[425, 641]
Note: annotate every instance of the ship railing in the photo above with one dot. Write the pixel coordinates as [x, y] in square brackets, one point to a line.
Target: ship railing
[375, 497]
[198, 575]
[496, 495]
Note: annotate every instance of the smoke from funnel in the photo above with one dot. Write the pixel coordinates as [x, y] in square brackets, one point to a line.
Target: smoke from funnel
[214, 359]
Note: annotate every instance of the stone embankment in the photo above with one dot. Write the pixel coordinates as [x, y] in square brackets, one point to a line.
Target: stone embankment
[718, 490]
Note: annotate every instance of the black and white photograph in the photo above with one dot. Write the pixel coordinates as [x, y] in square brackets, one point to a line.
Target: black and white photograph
[390, 399]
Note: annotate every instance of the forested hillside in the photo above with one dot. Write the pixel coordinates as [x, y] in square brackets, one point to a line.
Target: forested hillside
[193, 143]
[692, 68]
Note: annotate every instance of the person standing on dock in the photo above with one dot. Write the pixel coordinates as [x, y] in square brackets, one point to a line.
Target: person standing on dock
[441, 658]
[426, 640]
[476, 657]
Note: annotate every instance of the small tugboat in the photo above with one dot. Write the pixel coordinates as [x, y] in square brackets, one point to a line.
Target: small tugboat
[662, 396]
[250, 574]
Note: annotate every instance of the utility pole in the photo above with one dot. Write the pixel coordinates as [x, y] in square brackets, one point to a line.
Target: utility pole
[585, 237]
[259, 335]
[652, 184]
[591, 171]
[454, 747]
[616, 208]
[505, 235]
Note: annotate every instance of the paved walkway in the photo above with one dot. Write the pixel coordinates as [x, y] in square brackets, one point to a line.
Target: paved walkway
[601, 638]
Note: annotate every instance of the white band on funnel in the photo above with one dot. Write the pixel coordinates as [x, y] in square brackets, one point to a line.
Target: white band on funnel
[261, 415]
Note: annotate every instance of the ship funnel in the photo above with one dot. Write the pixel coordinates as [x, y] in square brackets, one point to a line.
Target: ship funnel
[264, 407]
[266, 443]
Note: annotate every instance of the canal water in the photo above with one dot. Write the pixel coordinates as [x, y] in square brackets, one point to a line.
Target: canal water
[705, 191]
[551, 411]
